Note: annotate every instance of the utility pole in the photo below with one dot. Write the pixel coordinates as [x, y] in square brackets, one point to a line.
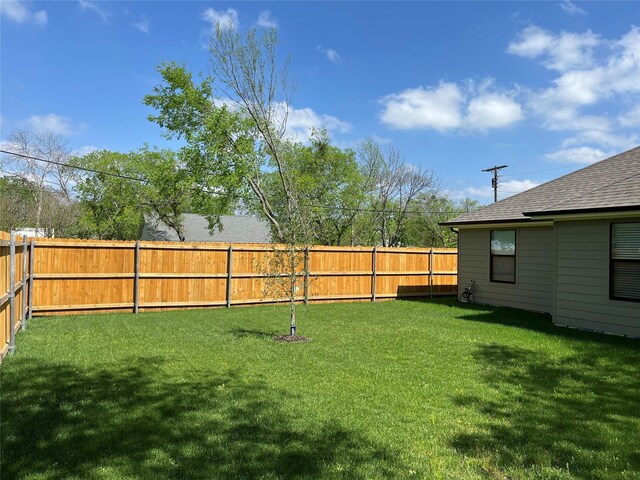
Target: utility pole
[494, 180]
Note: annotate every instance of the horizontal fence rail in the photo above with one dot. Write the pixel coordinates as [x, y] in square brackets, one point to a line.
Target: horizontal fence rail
[88, 276]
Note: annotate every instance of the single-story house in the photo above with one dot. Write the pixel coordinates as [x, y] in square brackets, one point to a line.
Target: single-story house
[235, 229]
[569, 247]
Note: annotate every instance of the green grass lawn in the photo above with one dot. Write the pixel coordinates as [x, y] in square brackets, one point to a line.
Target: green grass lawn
[403, 389]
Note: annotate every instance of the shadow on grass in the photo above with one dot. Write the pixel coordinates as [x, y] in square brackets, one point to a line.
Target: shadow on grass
[523, 319]
[127, 421]
[576, 415]
[243, 332]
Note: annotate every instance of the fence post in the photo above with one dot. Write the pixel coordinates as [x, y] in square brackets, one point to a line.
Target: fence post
[431, 271]
[374, 256]
[32, 250]
[306, 275]
[23, 321]
[136, 277]
[12, 291]
[229, 274]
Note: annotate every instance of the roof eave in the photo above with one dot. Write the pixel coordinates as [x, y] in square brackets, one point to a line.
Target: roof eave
[574, 211]
[485, 222]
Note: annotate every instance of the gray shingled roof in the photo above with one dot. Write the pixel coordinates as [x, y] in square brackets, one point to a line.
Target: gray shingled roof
[235, 229]
[611, 184]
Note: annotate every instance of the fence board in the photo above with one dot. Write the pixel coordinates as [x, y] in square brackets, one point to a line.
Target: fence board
[86, 276]
[12, 316]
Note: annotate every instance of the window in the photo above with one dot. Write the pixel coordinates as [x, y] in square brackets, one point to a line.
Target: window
[503, 256]
[625, 261]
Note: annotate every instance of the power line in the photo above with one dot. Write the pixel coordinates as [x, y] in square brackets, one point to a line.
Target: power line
[76, 167]
[374, 210]
[126, 177]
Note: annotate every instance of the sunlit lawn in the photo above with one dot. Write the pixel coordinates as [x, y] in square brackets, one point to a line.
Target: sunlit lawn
[388, 390]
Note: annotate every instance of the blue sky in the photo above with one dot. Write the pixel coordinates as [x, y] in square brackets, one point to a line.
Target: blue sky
[545, 87]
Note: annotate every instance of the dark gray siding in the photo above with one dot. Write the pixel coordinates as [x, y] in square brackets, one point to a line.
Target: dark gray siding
[582, 279]
[533, 289]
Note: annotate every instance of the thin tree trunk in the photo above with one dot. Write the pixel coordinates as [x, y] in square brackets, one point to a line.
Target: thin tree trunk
[292, 287]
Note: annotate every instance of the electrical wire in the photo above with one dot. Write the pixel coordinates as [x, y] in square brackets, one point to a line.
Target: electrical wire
[76, 167]
[126, 177]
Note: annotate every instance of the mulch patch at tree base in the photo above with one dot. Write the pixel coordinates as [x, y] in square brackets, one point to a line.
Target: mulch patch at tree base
[290, 338]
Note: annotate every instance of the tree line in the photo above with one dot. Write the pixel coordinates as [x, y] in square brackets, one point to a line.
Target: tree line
[368, 195]
[236, 158]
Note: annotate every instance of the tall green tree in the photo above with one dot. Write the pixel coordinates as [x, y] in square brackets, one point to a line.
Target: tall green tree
[328, 183]
[111, 204]
[149, 185]
[167, 189]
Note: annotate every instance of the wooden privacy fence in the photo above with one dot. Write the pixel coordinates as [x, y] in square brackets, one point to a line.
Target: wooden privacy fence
[78, 276]
[14, 285]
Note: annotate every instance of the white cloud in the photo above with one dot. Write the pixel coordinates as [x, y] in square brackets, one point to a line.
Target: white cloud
[532, 42]
[331, 54]
[265, 20]
[630, 118]
[300, 123]
[143, 25]
[449, 106]
[577, 155]
[84, 150]
[511, 187]
[602, 137]
[40, 18]
[381, 140]
[17, 11]
[506, 189]
[594, 76]
[52, 123]
[224, 19]
[414, 108]
[571, 8]
[87, 5]
[493, 111]
[561, 52]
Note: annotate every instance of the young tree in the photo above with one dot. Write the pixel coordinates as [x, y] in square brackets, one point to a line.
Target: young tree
[233, 144]
[393, 186]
